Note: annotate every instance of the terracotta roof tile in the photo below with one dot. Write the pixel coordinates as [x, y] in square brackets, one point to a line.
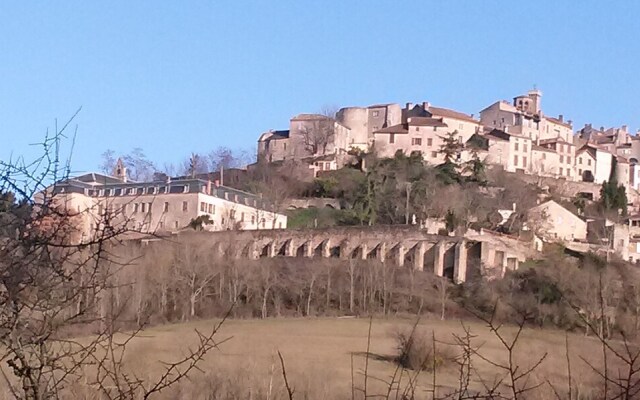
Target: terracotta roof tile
[447, 113]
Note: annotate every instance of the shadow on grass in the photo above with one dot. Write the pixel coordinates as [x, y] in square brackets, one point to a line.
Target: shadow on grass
[376, 357]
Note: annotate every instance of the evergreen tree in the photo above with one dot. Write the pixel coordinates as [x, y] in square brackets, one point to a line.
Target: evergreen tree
[449, 171]
[476, 169]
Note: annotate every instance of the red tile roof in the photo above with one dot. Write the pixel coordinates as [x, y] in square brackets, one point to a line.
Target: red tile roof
[447, 113]
[400, 128]
[425, 121]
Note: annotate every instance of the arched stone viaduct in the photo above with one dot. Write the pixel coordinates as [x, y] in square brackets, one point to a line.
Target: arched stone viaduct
[402, 246]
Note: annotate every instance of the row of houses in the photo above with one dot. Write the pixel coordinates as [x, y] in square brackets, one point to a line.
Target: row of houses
[516, 135]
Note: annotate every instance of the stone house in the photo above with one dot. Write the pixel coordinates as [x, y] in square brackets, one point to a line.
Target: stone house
[524, 117]
[423, 134]
[594, 163]
[544, 161]
[553, 222]
[566, 156]
[362, 122]
[160, 206]
[309, 135]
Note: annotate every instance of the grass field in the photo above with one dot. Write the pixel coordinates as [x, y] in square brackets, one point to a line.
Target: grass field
[319, 352]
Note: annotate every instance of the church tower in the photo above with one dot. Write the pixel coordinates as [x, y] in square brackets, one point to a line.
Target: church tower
[120, 171]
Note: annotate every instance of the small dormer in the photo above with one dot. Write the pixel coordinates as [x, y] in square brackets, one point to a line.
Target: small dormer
[120, 171]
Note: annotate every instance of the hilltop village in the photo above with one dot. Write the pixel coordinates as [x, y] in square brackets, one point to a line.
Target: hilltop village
[510, 180]
[568, 167]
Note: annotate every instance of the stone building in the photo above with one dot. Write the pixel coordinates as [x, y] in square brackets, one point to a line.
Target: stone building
[309, 135]
[594, 163]
[524, 116]
[421, 134]
[553, 222]
[566, 152]
[160, 206]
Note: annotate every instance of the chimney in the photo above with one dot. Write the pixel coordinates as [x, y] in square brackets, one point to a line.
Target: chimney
[409, 105]
[602, 129]
[561, 118]
[209, 187]
[624, 128]
[216, 183]
[426, 105]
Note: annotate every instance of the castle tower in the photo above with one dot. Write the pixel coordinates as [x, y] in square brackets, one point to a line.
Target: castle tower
[120, 171]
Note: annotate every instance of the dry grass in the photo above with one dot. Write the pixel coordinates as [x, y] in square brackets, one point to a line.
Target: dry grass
[319, 354]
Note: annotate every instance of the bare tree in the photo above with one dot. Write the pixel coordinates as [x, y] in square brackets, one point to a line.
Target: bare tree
[57, 284]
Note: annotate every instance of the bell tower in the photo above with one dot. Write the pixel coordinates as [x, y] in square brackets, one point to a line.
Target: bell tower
[120, 171]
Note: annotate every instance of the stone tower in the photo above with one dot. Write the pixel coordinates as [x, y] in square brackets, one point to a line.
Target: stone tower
[120, 171]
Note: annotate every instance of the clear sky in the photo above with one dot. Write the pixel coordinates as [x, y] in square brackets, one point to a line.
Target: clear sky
[174, 77]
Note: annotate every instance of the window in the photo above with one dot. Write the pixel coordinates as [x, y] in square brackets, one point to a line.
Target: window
[242, 217]
[185, 189]
[568, 172]
[110, 193]
[580, 160]
[434, 154]
[589, 162]
[232, 214]
[143, 207]
[544, 156]
[417, 129]
[435, 128]
[524, 162]
[263, 222]
[210, 209]
[135, 207]
[560, 171]
[580, 171]
[161, 224]
[515, 160]
[176, 224]
[524, 147]
[132, 191]
[253, 219]
[561, 158]
[185, 206]
[203, 206]
[166, 206]
[568, 160]
[429, 142]
[516, 147]
[149, 206]
[392, 138]
[375, 113]
[416, 141]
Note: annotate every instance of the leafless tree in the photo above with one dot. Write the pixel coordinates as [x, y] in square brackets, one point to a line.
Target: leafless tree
[57, 284]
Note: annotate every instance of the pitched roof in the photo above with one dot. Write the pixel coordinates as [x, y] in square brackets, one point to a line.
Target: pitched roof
[309, 117]
[447, 113]
[426, 121]
[500, 134]
[535, 147]
[557, 121]
[555, 140]
[502, 105]
[274, 135]
[400, 128]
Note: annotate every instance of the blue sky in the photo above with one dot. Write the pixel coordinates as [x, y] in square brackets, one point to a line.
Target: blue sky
[174, 77]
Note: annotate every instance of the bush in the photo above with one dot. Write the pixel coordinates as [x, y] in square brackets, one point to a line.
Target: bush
[415, 351]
